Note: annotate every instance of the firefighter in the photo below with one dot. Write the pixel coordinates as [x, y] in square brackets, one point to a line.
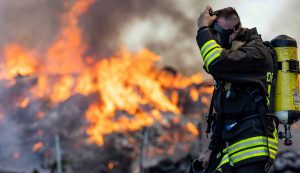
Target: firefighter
[244, 137]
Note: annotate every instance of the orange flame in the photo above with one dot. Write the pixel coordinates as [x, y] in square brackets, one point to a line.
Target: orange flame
[174, 97]
[62, 89]
[205, 100]
[124, 83]
[24, 102]
[192, 128]
[110, 165]
[176, 120]
[68, 48]
[17, 62]
[37, 146]
[194, 94]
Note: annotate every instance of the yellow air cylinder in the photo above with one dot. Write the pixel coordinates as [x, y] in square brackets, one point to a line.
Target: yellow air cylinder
[287, 100]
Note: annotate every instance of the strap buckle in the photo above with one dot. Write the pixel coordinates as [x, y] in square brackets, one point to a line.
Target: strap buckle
[254, 94]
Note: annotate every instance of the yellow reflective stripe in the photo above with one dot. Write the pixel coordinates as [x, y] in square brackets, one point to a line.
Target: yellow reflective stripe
[212, 46]
[252, 143]
[269, 90]
[224, 160]
[275, 135]
[252, 152]
[206, 45]
[273, 145]
[212, 56]
[272, 141]
[272, 153]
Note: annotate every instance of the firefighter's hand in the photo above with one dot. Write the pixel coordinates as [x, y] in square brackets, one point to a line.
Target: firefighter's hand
[205, 19]
[204, 158]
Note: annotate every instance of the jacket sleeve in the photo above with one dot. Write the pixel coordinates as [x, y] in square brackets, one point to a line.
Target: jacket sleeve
[219, 61]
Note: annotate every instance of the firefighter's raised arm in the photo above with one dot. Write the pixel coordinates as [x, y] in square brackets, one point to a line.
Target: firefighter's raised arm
[206, 19]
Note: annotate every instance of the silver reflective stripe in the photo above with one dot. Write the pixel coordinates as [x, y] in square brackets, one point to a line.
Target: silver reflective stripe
[251, 154]
[212, 55]
[273, 143]
[205, 44]
[246, 145]
[224, 160]
[207, 47]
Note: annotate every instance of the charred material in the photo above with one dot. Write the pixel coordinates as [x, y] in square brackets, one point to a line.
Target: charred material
[32, 147]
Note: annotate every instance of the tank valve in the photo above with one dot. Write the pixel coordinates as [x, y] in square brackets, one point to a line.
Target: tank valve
[287, 135]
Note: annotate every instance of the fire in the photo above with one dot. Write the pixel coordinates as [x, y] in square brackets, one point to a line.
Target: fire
[24, 102]
[176, 120]
[17, 62]
[130, 89]
[192, 128]
[194, 94]
[205, 100]
[37, 146]
[171, 80]
[110, 165]
[174, 97]
[63, 88]
[126, 83]
[68, 48]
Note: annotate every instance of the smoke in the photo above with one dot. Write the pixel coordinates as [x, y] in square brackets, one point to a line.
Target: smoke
[13, 125]
[166, 27]
[12, 149]
[32, 23]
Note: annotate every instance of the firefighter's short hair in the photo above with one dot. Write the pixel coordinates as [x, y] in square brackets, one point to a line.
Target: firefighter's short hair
[228, 13]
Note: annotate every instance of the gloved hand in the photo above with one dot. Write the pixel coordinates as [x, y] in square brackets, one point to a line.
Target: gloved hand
[199, 165]
[205, 19]
[204, 158]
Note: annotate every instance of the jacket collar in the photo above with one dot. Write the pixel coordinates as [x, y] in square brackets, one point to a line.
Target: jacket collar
[248, 35]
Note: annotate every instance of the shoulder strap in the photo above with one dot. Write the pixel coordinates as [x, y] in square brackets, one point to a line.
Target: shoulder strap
[209, 117]
[275, 68]
[258, 99]
[216, 96]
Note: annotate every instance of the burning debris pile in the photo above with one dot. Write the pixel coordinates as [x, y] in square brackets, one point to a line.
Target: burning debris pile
[109, 114]
[90, 139]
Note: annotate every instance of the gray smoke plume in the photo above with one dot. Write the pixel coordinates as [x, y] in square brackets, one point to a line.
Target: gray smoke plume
[167, 27]
[33, 23]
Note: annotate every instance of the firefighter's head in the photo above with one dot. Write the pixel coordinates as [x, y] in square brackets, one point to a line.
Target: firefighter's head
[227, 25]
